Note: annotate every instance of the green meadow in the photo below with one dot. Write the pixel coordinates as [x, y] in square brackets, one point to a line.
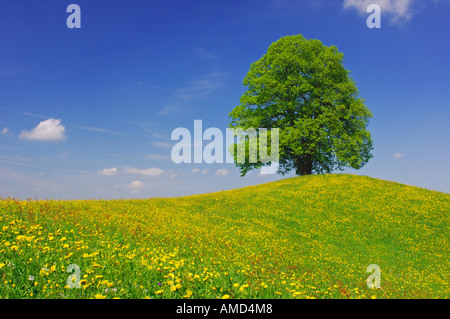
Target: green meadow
[303, 237]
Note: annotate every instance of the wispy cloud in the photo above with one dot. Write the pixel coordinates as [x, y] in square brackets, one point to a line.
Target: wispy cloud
[16, 160]
[196, 89]
[48, 130]
[162, 144]
[38, 116]
[398, 155]
[173, 108]
[95, 129]
[204, 54]
[200, 87]
[173, 175]
[158, 157]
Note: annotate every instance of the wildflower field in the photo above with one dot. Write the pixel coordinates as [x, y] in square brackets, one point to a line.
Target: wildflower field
[303, 237]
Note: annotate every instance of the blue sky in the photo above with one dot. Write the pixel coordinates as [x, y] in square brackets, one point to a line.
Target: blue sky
[88, 113]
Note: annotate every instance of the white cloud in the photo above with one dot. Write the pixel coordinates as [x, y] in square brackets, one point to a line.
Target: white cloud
[398, 155]
[205, 171]
[136, 185]
[222, 172]
[195, 170]
[108, 171]
[400, 10]
[5, 132]
[151, 171]
[48, 130]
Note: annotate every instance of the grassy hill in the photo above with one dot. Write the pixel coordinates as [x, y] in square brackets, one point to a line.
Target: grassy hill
[304, 237]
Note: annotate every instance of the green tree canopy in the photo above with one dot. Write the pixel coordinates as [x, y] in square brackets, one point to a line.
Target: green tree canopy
[301, 87]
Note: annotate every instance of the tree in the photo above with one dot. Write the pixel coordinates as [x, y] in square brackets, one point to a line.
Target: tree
[301, 87]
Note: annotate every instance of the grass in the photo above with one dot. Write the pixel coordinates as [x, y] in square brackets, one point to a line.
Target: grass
[304, 237]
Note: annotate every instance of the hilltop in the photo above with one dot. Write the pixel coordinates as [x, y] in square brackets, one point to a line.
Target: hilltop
[302, 237]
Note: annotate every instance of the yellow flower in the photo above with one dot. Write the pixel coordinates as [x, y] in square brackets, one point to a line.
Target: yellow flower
[236, 285]
[226, 297]
[65, 246]
[99, 296]
[159, 292]
[2, 265]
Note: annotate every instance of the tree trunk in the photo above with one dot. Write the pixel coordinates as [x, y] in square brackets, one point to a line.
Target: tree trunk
[303, 165]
